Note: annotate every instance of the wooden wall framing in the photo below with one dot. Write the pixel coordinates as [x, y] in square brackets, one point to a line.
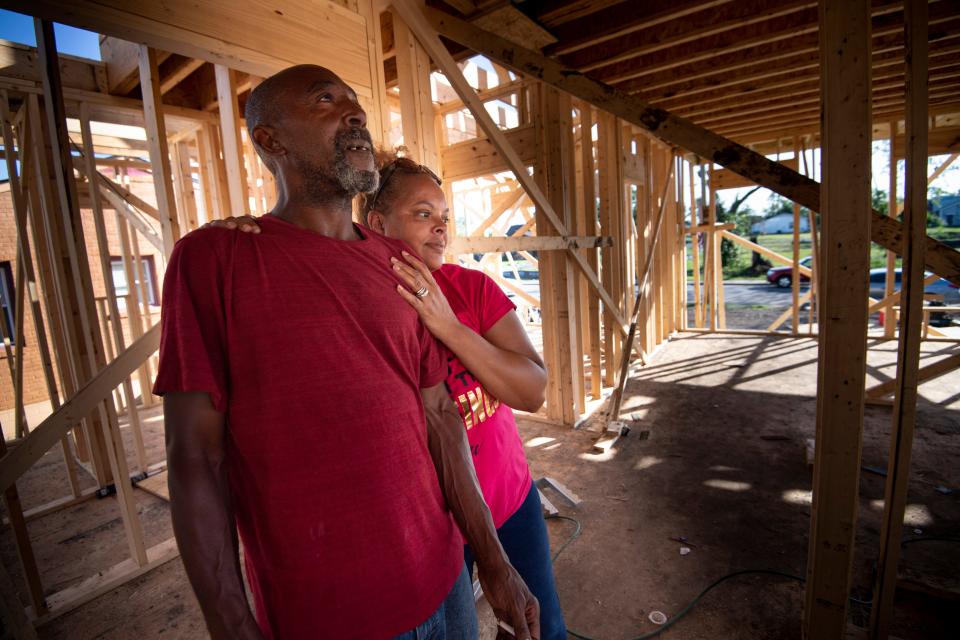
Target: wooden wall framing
[604, 185]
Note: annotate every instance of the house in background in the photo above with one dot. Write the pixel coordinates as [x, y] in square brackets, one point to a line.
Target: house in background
[949, 210]
[780, 223]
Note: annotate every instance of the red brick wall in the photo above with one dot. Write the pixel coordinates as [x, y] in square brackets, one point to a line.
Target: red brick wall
[34, 385]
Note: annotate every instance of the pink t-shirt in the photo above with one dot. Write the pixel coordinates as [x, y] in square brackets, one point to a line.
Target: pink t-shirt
[492, 432]
[302, 341]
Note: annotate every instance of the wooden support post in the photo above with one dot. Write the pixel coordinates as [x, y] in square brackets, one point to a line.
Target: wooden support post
[814, 304]
[911, 302]
[159, 156]
[845, 202]
[695, 221]
[889, 316]
[795, 273]
[107, 271]
[557, 278]
[589, 192]
[608, 161]
[230, 137]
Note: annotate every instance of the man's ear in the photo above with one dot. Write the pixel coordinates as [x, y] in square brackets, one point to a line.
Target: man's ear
[375, 221]
[266, 138]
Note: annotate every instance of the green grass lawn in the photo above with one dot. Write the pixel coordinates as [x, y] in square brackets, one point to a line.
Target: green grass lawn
[740, 268]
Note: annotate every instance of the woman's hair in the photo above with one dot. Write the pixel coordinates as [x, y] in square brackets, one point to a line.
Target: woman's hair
[389, 164]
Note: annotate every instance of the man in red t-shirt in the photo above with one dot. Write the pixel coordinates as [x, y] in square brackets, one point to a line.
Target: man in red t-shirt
[305, 407]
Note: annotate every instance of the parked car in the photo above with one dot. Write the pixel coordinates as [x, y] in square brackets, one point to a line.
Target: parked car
[783, 276]
[940, 287]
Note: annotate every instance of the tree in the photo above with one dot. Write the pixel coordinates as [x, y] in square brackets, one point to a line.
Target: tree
[741, 218]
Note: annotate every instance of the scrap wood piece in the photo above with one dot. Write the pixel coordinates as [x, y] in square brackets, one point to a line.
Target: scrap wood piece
[560, 488]
[547, 505]
[616, 429]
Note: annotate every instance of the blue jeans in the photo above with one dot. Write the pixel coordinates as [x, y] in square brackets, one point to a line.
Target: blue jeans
[524, 538]
[454, 619]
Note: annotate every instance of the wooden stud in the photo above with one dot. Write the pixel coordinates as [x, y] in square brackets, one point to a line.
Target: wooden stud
[889, 317]
[107, 271]
[416, 105]
[695, 237]
[795, 273]
[230, 137]
[845, 162]
[589, 189]
[911, 296]
[159, 155]
[187, 193]
[608, 164]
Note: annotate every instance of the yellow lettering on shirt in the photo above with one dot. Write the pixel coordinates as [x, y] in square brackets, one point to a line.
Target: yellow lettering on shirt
[465, 410]
[476, 405]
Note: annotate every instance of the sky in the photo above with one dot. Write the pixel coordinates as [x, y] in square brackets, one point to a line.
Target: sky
[17, 27]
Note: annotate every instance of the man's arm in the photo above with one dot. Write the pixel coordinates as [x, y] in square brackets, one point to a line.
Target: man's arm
[202, 513]
[505, 591]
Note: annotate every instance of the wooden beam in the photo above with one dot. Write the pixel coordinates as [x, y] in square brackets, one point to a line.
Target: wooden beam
[911, 299]
[728, 18]
[159, 154]
[620, 19]
[247, 40]
[418, 23]
[845, 161]
[673, 130]
[230, 136]
[184, 69]
[528, 243]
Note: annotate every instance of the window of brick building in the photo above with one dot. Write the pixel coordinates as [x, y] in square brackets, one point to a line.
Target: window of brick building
[7, 299]
[123, 287]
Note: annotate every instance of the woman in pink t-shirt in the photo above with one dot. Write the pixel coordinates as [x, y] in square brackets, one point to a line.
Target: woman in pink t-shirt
[492, 366]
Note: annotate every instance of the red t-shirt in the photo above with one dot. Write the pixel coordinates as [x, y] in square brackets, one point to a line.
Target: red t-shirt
[304, 343]
[492, 432]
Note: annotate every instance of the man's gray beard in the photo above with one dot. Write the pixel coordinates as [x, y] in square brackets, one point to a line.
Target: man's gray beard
[352, 179]
[320, 186]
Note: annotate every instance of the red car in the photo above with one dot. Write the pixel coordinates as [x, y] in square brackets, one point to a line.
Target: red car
[783, 276]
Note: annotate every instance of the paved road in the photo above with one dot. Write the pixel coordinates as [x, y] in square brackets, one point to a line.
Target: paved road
[760, 293]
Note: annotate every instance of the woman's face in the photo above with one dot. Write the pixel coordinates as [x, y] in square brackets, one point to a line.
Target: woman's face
[418, 216]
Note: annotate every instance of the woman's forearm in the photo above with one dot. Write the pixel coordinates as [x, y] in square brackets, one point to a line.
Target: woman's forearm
[513, 378]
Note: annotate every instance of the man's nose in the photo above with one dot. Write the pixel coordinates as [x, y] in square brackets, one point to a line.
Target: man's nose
[355, 116]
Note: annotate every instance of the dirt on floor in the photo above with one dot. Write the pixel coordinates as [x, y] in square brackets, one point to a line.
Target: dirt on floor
[715, 456]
